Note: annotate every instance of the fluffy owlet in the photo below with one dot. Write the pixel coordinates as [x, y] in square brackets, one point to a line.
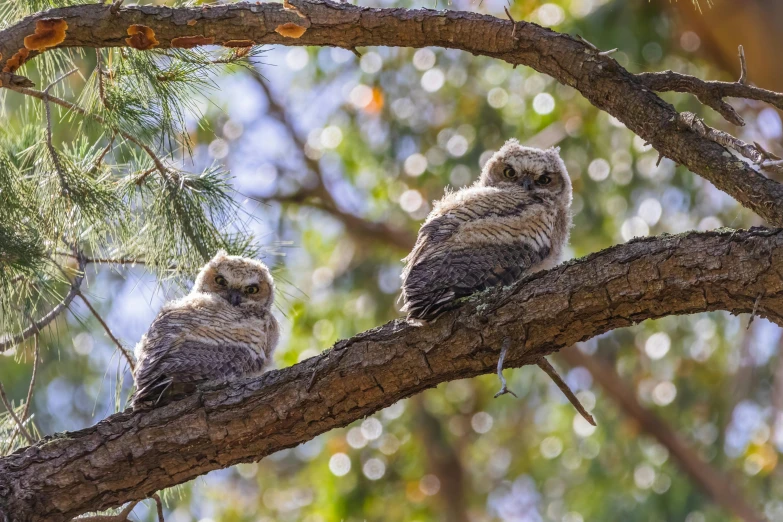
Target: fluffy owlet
[512, 222]
[222, 329]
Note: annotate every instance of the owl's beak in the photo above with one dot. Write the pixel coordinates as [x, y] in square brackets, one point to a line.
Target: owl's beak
[234, 297]
[527, 183]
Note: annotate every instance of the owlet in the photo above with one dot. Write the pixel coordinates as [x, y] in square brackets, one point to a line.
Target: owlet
[223, 329]
[512, 222]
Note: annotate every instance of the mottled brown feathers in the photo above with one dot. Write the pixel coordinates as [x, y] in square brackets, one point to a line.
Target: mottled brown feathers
[512, 222]
[221, 330]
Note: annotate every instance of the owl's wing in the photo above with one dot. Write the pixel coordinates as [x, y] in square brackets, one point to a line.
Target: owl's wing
[193, 362]
[487, 243]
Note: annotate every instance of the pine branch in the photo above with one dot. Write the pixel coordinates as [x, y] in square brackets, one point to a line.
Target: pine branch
[45, 97]
[37, 326]
[26, 411]
[12, 413]
[599, 78]
[120, 347]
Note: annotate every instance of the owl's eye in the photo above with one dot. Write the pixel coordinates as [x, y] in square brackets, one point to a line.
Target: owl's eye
[543, 179]
[221, 281]
[252, 289]
[509, 173]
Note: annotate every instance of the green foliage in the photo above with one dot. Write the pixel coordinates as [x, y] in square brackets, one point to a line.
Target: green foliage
[369, 124]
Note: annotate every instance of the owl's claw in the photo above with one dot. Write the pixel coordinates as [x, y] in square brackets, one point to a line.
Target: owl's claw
[503, 386]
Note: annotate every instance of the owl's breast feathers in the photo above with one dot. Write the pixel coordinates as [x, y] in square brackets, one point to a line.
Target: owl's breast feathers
[198, 338]
[477, 238]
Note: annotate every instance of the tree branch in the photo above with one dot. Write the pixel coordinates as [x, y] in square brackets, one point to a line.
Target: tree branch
[710, 93]
[130, 455]
[26, 410]
[716, 485]
[7, 342]
[599, 78]
[125, 353]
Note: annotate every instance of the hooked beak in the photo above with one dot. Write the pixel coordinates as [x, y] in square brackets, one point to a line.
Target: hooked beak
[527, 183]
[234, 297]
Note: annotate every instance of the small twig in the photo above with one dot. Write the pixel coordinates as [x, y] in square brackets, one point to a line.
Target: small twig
[11, 412]
[775, 163]
[356, 52]
[755, 309]
[743, 79]
[104, 153]
[125, 353]
[660, 157]
[590, 45]
[503, 387]
[513, 23]
[550, 370]
[26, 411]
[52, 152]
[100, 73]
[144, 175]
[690, 121]
[159, 505]
[115, 7]
[610, 51]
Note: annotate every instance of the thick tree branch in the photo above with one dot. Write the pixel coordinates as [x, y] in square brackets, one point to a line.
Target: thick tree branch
[129, 456]
[599, 78]
[716, 485]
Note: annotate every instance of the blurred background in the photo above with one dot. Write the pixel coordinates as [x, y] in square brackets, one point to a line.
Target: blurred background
[335, 159]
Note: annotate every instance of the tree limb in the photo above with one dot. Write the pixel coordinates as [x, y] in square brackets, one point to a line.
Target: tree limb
[716, 485]
[131, 455]
[599, 78]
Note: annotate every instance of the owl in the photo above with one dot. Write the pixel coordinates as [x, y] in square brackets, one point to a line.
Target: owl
[513, 221]
[223, 329]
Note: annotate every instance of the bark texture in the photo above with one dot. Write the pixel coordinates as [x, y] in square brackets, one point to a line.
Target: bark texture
[572, 62]
[129, 456]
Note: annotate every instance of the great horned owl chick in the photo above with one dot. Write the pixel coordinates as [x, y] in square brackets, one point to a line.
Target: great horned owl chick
[223, 329]
[512, 222]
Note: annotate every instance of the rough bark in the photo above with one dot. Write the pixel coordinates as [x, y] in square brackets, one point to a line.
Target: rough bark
[599, 78]
[129, 456]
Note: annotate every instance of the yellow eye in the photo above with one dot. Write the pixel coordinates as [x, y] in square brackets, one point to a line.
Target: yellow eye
[221, 281]
[543, 179]
[252, 289]
[509, 173]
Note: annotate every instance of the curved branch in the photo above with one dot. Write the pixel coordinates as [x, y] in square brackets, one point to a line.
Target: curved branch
[597, 76]
[37, 326]
[710, 93]
[130, 455]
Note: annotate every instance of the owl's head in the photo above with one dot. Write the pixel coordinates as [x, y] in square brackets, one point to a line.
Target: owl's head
[540, 171]
[241, 281]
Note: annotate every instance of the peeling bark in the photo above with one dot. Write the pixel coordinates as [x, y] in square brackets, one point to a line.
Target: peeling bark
[129, 456]
[572, 62]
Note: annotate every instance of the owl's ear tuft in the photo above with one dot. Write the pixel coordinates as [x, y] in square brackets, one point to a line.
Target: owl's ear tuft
[556, 150]
[219, 256]
[511, 141]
